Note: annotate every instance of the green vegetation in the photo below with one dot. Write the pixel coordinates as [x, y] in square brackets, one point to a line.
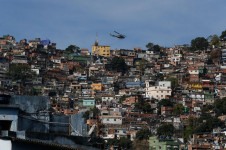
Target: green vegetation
[143, 106]
[153, 47]
[189, 129]
[207, 123]
[141, 65]
[143, 134]
[220, 106]
[165, 130]
[174, 82]
[223, 34]
[164, 102]
[92, 113]
[122, 143]
[121, 99]
[199, 43]
[118, 64]
[214, 40]
[20, 72]
[178, 109]
[72, 49]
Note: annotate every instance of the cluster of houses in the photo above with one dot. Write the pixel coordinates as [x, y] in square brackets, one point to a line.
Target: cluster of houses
[82, 82]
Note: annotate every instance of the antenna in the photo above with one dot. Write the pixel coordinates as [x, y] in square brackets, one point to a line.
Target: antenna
[96, 37]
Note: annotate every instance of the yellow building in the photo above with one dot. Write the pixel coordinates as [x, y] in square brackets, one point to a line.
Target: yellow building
[97, 86]
[100, 50]
[196, 86]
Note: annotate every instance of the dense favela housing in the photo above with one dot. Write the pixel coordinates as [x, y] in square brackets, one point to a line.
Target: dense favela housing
[170, 98]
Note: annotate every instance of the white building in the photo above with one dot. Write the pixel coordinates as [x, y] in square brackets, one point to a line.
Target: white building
[160, 91]
[193, 71]
[175, 59]
[107, 98]
[111, 119]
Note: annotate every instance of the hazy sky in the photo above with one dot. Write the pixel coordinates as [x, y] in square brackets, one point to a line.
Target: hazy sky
[65, 22]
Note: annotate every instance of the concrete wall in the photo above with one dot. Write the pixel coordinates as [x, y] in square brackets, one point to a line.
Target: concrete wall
[26, 123]
[31, 104]
[31, 107]
[72, 141]
[78, 123]
[60, 124]
[9, 114]
[69, 125]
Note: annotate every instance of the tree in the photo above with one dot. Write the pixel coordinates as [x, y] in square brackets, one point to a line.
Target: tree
[164, 102]
[122, 98]
[20, 72]
[174, 82]
[143, 134]
[159, 76]
[72, 49]
[143, 105]
[207, 108]
[118, 64]
[208, 123]
[125, 143]
[165, 130]
[220, 106]
[150, 46]
[142, 65]
[153, 47]
[223, 34]
[178, 109]
[86, 114]
[199, 43]
[189, 129]
[93, 113]
[215, 54]
[205, 70]
[156, 48]
[214, 40]
[52, 93]
[122, 143]
[116, 86]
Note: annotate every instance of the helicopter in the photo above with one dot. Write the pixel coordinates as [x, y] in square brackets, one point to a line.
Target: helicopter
[118, 35]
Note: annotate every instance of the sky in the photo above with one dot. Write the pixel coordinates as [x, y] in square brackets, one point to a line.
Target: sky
[81, 22]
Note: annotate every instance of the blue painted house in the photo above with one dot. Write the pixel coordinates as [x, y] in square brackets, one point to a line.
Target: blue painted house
[88, 102]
